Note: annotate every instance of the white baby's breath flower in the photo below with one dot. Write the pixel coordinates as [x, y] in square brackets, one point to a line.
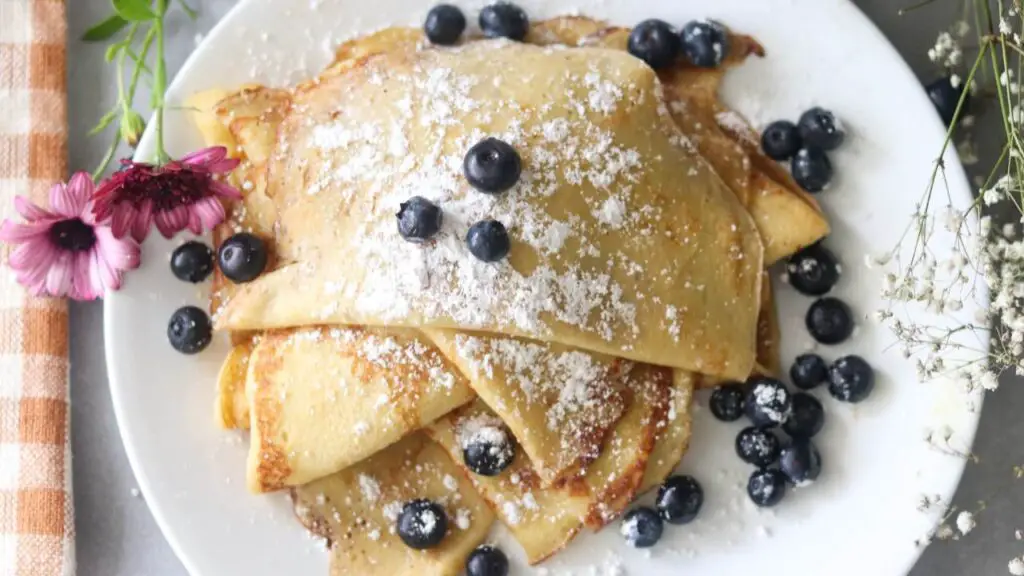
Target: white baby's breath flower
[1004, 27]
[1016, 567]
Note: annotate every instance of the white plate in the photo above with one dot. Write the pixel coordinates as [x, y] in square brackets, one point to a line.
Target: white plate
[861, 517]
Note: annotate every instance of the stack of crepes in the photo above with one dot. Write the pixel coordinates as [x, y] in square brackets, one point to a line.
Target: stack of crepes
[363, 363]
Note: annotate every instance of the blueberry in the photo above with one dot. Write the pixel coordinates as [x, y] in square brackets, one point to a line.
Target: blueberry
[946, 98]
[808, 371]
[654, 42]
[641, 527]
[829, 320]
[679, 499]
[418, 219]
[705, 43]
[811, 169]
[768, 402]
[800, 462]
[242, 257]
[489, 451]
[821, 129]
[813, 271]
[727, 402]
[780, 140]
[766, 487]
[444, 24]
[807, 418]
[504, 20]
[422, 524]
[192, 261]
[189, 330]
[851, 379]
[487, 561]
[488, 240]
[492, 166]
[758, 446]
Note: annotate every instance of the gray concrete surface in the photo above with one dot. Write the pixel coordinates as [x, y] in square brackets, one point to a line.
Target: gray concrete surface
[116, 533]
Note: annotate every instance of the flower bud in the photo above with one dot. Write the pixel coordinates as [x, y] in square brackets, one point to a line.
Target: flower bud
[132, 126]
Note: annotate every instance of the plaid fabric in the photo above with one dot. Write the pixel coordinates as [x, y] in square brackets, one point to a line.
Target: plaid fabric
[36, 514]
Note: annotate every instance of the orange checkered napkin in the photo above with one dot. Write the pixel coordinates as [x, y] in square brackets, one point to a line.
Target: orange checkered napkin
[36, 514]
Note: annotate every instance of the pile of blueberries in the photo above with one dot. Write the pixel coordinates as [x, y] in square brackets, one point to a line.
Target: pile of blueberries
[241, 258]
[769, 405]
[805, 145]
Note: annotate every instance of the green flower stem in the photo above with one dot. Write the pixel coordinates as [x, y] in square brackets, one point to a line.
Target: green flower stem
[121, 55]
[160, 85]
[98, 173]
[140, 65]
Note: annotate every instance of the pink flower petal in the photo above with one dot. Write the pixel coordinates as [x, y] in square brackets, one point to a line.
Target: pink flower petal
[225, 165]
[15, 233]
[35, 252]
[80, 281]
[58, 278]
[30, 210]
[122, 219]
[109, 275]
[205, 157]
[222, 189]
[167, 223]
[194, 225]
[210, 211]
[122, 253]
[70, 200]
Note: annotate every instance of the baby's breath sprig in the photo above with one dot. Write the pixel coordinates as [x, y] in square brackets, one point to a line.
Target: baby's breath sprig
[138, 26]
[987, 258]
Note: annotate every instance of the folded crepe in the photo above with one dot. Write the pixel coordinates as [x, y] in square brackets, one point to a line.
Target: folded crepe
[356, 510]
[322, 399]
[645, 445]
[625, 241]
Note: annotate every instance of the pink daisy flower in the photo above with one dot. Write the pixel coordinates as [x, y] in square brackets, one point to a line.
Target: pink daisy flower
[65, 251]
[180, 194]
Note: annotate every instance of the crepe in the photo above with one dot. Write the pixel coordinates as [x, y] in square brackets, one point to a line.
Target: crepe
[336, 188]
[543, 520]
[322, 399]
[558, 402]
[356, 511]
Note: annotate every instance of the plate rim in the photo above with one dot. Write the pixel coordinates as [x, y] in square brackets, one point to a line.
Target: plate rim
[955, 172]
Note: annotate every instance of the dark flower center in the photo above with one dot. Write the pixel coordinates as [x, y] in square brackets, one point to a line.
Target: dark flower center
[73, 235]
[166, 188]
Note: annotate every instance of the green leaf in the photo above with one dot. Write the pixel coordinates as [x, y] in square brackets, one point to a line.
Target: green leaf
[105, 29]
[133, 10]
[104, 122]
[188, 9]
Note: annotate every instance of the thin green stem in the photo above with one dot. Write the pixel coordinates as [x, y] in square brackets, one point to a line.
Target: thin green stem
[188, 9]
[159, 87]
[140, 66]
[122, 54]
[106, 159]
[912, 7]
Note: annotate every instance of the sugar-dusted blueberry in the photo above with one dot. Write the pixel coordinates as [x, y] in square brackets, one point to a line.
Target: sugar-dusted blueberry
[504, 20]
[813, 271]
[808, 371]
[488, 240]
[419, 219]
[766, 487]
[807, 417]
[768, 402]
[851, 379]
[444, 24]
[800, 462]
[641, 527]
[487, 561]
[820, 128]
[189, 330]
[192, 261]
[242, 257]
[758, 446]
[946, 97]
[655, 42]
[829, 320]
[705, 43]
[811, 169]
[727, 402]
[492, 166]
[679, 499]
[489, 450]
[780, 140]
[422, 524]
